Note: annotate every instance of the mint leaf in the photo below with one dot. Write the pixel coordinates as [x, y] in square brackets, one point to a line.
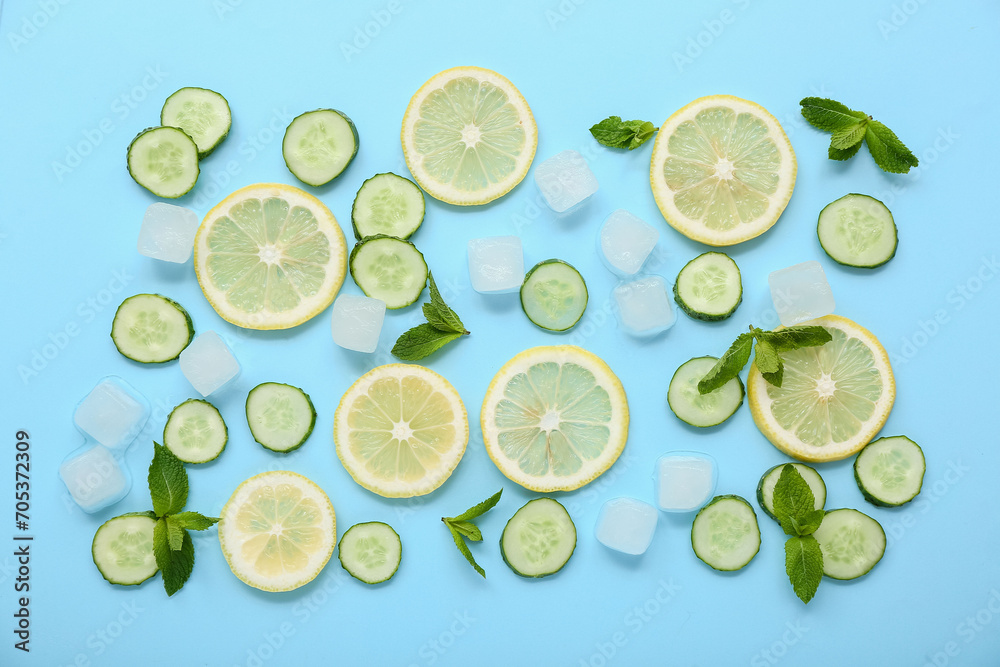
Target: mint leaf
[175, 533]
[420, 341]
[829, 115]
[479, 509]
[193, 520]
[793, 499]
[804, 565]
[466, 529]
[463, 548]
[438, 314]
[849, 127]
[888, 151]
[850, 136]
[729, 364]
[768, 362]
[462, 525]
[175, 565]
[168, 482]
[613, 132]
[792, 338]
[845, 154]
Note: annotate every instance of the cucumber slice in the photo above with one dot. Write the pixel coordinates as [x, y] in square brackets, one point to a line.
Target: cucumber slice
[890, 471]
[280, 416]
[725, 535]
[702, 410]
[123, 549]
[539, 539]
[709, 287]
[857, 230]
[390, 269]
[387, 204]
[164, 160]
[195, 432]
[554, 295]
[151, 329]
[852, 543]
[318, 145]
[203, 114]
[370, 552]
[765, 488]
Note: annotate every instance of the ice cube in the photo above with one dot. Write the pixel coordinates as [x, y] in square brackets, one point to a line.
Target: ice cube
[684, 481]
[625, 242]
[644, 306]
[565, 181]
[357, 322]
[94, 477]
[626, 525]
[208, 363]
[167, 232]
[113, 413]
[496, 264]
[801, 293]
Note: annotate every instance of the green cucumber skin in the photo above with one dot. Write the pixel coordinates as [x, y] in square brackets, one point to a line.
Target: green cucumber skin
[696, 314]
[876, 501]
[357, 233]
[895, 232]
[340, 553]
[876, 562]
[354, 133]
[728, 496]
[305, 436]
[187, 320]
[225, 431]
[211, 149]
[513, 569]
[128, 166]
[723, 420]
[767, 473]
[93, 547]
[586, 293]
[357, 247]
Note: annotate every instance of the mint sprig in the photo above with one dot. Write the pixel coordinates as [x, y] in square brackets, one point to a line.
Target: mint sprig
[795, 507]
[849, 128]
[443, 326]
[614, 132]
[462, 528]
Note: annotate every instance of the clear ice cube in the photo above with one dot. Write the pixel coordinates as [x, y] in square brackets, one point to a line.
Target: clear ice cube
[626, 525]
[565, 181]
[356, 322]
[208, 363]
[801, 293]
[644, 306]
[684, 481]
[496, 264]
[113, 413]
[167, 232]
[94, 477]
[625, 242]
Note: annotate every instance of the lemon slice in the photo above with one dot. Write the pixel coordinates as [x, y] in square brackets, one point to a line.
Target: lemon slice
[554, 418]
[400, 430]
[468, 136]
[277, 531]
[833, 398]
[722, 170]
[270, 256]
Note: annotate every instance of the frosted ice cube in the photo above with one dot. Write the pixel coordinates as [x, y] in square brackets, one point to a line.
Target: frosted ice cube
[167, 232]
[208, 364]
[801, 293]
[625, 242]
[94, 478]
[684, 481]
[113, 413]
[626, 525]
[644, 306]
[496, 264]
[565, 181]
[356, 322]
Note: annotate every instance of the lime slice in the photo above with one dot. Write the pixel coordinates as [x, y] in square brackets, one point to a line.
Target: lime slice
[401, 430]
[277, 531]
[270, 256]
[722, 170]
[833, 398]
[468, 136]
[554, 418]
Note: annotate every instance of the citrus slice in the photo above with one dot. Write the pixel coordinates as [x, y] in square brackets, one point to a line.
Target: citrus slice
[722, 170]
[468, 136]
[277, 531]
[833, 399]
[270, 256]
[400, 430]
[554, 418]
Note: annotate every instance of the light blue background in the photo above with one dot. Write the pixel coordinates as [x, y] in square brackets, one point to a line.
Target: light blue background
[86, 77]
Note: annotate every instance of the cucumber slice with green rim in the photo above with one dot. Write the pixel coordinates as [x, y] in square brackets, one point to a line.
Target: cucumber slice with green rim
[151, 329]
[370, 552]
[890, 471]
[539, 539]
[725, 535]
[554, 295]
[387, 204]
[857, 230]
[390, 269]
[164, 160]
[318, 145]
[203, 114]
[765, 488]
[697, 409]
[123, 549]
[195, 432]
[709, 287]
[852, 543]
[280, 416]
